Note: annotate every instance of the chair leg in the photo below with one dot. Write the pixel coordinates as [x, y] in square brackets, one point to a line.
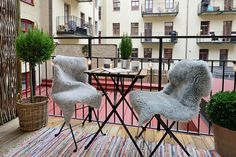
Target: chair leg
[73, 136]
[60, 129]
[168, 131]
[85, 119]
[98, 121]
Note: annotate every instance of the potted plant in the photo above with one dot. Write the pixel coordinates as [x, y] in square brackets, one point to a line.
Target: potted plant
[221, 110]
[126, 51]
[33, 47]
[85, 50]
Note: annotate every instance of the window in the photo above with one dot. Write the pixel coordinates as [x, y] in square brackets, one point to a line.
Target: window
[116, 29]
[148, 31]
[66, 13]
[203, 54]
[227, 29]
[204, 27]
[168, 27]
[82, 20]
[134, 29]
[134, 53]
[134, 4]
[147, 53]
[26, 25]
[28, 1]
[148, 6]
[99, 40]
[223, 56]
[167, 53]
[96, 27]
[100, 13]
[169, 4]
[116, 5]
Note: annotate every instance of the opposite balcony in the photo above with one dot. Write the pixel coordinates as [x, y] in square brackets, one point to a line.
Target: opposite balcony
[72, 25]
[215, 39]
[217, 7]
[148, 40]
[160, 9]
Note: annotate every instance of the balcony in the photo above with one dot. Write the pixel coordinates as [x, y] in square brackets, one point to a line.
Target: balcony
[160, 10]
[171, 41]
[72, 25]
[215, 39]
[10, 135]
[216, 7]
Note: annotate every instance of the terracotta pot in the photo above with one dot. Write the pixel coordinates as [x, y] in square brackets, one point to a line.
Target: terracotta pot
[225, 141]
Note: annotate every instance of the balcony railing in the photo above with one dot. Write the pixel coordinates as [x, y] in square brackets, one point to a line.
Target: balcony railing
[223, 79]
[216, 40]
[148, 40]
[216, 7]
[160, 9]
[73, 25]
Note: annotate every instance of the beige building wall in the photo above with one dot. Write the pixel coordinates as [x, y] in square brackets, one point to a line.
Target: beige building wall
[187, 22]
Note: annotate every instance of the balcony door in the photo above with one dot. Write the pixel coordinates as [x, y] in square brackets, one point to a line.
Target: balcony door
[82, 20]
[227, 29]
[168, 27]
[204, 27]
[228, 5]
[148, 6]
[223, 56]
[148, 31]
[66, 13]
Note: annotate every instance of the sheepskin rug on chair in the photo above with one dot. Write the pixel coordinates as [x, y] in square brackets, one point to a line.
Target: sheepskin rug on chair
[70, 85]
[189, 82]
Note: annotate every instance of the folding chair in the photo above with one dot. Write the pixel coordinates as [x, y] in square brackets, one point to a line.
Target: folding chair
[179, 100]
[70, 87]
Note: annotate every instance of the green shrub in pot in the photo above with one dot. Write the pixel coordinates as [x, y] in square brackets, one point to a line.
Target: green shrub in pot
[222, 109]
[222, 112]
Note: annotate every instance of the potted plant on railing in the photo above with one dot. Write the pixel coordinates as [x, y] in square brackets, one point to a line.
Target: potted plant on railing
[85, 50]
[126, 51]
[222, 112]
[33, 47]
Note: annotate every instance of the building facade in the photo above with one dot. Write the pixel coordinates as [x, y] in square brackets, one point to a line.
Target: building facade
[173, 17]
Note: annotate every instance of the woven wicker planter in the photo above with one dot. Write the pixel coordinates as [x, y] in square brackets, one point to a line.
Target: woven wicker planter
[32, 116]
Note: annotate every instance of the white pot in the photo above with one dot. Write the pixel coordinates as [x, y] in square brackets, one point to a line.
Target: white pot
[125, 63]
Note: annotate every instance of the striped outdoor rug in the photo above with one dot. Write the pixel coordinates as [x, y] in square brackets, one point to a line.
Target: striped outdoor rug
[43, 143]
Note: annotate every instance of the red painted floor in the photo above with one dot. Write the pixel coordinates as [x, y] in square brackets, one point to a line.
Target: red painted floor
[126, 113]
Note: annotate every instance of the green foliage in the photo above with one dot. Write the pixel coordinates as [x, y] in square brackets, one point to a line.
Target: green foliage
[126, 46]
[85, 50]
[34, 47]
[222, 109]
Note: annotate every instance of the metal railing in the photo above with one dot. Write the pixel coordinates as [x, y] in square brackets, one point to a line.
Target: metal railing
[216, 40]
[156, 40]
[73, 25]
[216, 7]
[160, 9]
[222, 70]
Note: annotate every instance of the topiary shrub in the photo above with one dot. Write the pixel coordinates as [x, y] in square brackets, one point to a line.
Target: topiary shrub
[222, 109]
[126, 46]
[34, 47]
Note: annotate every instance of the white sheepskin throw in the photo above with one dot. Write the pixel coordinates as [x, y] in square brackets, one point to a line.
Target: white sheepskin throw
[179, 100]
[70, 85]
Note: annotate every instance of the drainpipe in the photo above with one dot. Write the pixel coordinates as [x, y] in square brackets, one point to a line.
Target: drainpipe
[186, 43]
[50, 17]
[19, 86]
